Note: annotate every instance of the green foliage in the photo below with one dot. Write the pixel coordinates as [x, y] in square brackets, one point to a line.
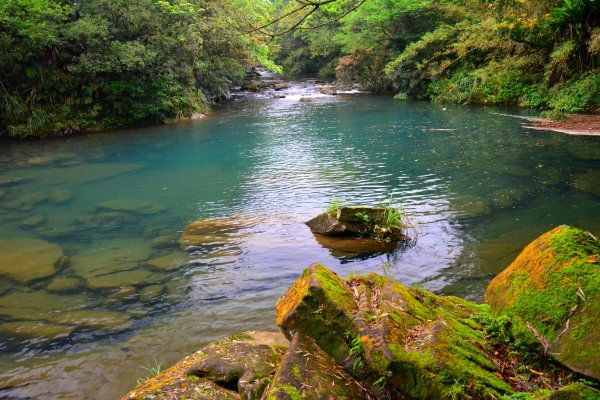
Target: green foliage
[357, 351]
[581, 93]
[103, 64]
[334, 205]
[401, 97]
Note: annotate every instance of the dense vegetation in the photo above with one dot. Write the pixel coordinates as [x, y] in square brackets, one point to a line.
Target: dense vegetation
[533, 53]
[70, 66]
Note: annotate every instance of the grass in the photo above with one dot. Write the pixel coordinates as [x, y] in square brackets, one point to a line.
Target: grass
[334, 205]
[151, 370]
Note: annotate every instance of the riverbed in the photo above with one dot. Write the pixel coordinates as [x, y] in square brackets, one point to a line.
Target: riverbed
[127, 296]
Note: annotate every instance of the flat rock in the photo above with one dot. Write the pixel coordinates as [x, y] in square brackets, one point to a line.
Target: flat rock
[39, 305]
[123, 294]
[169, 262]
[550, 291]
[307, 372]
[328, 90]
[110, 256]
[38, 330]
[26, 260]
[141, 207]
[152, 292]
[93, 319]
[136, 277]
[63, 285]
[208, 232]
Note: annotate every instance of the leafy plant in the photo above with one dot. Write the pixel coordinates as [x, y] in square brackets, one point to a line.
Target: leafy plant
[357, 351]
[334, 205]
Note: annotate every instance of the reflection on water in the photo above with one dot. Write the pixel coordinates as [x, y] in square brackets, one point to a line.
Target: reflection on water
[117, 281]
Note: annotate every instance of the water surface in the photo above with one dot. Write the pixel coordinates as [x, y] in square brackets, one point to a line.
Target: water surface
[478, 186]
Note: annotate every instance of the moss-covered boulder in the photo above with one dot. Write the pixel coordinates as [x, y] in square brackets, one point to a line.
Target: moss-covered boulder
[552, 294]
[346, 221]
[414, 343]
[307, 372]
[26, 260]
[238, 367]
[358, 230]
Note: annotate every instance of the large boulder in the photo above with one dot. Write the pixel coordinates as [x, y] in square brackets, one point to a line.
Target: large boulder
[551, 292]
[238, 367]
[412, 342]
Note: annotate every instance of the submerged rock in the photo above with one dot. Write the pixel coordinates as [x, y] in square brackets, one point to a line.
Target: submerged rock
[588, 182]
[26, 260]
[152, 292]
[551, 292]
[237, 367]
[34, 220]
[40, 331]
[94, 319]
[142, 207]
[169, 262]
[110, 257]
[62, 285]
[207, 232]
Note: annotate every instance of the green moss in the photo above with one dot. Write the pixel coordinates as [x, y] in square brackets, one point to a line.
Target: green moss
[292, 391]
[296, 372]
[572, 242]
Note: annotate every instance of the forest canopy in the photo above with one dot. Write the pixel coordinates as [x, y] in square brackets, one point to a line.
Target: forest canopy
[71, 66]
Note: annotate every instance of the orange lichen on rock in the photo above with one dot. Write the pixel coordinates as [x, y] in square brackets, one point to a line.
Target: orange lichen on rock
[535, 261]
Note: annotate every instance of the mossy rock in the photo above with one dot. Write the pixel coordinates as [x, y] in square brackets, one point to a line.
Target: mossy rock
[574, 391]
[237, 367]
[307, 372]
[422, 345]
[320, 306]
[551, 292]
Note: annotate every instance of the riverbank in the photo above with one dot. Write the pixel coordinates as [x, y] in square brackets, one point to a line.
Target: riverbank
[369, 337]
[573, 124]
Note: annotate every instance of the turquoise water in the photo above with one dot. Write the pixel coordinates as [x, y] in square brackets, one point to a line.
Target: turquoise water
[478, 187]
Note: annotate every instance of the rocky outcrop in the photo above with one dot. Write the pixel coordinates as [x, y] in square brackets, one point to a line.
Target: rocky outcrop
[552, 294]
[376, 328]
[237, 367]
[369, 337]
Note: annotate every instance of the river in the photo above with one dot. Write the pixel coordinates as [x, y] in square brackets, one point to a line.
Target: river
[477, 187]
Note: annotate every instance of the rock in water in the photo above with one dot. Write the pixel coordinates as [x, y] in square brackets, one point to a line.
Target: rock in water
[376, 327]
[26, 260]
[552, 293]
